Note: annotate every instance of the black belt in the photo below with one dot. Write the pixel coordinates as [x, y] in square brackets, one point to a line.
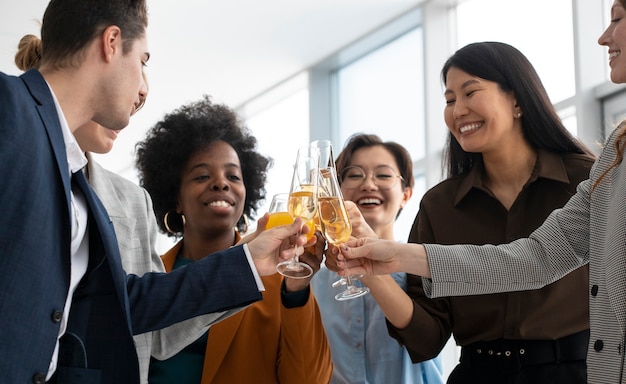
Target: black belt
[514, 354]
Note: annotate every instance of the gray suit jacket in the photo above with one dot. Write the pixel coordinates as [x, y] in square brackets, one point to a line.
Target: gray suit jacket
[591, 227]
[130, 209]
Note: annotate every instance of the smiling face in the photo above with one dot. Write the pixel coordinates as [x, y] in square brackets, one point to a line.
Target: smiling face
[212, 193]
[614, 38]
[378, 207]
[479, 114]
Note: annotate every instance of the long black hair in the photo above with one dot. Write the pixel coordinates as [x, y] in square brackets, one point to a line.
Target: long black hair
[511, 70]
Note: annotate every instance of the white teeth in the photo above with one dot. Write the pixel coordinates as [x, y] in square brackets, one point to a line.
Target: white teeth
[470, 127]
[614, 54]
[220, 203]
[370, 201]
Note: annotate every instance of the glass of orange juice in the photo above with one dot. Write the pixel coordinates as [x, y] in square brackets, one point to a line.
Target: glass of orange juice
[279, 214]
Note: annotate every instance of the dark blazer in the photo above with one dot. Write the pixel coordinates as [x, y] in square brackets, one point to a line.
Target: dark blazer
[109, 306]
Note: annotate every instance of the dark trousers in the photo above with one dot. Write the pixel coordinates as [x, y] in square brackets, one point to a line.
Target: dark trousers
[571, 372]
[561, 361]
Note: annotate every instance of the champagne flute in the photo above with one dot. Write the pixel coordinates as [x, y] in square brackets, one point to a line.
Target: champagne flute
[302, 203]
[279, 214]
[325, 148]
[327, 160]
[336, 225]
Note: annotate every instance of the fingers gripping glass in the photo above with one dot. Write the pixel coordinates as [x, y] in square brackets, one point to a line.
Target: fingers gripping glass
[384, 177]
[336, 225]
[302, 203]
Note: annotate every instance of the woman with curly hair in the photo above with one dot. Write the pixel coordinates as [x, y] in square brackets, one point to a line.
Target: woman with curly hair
[201, 167]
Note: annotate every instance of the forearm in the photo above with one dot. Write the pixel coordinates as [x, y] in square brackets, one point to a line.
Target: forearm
[169, 341]
[412, 259]
[430, 325]
[426, 333]
[391, 298]
[216, 283]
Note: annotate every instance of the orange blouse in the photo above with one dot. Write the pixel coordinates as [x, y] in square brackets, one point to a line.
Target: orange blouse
[266, 342]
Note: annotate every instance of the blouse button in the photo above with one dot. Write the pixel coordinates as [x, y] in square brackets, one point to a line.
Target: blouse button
[594, 290]
[598, 345]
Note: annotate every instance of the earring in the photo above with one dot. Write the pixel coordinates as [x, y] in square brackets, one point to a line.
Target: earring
[244, 229]
[518, 115]
[165, 219]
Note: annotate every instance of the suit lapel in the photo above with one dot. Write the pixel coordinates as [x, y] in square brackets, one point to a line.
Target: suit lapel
[100, 218]
[104, 188]
[46, 108]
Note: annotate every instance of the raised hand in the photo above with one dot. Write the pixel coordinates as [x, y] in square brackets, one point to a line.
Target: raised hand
[271, 246]
[260, 227]
[360, 228]
[379, 257]
[313, 255]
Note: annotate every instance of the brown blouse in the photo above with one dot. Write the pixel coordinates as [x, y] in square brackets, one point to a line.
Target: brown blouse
[460, 210]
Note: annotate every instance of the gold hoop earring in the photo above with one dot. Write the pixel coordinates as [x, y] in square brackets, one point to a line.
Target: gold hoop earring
[165, 219]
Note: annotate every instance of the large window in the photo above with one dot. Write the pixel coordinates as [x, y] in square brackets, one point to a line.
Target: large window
[540, 29]
[382, 93]
[387, 83]
[508, 22]
[280, 122]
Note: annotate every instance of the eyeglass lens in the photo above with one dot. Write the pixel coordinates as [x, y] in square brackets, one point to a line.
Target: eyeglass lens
[384, 177]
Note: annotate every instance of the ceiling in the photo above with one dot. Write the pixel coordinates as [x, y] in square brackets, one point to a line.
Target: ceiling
[232, 50]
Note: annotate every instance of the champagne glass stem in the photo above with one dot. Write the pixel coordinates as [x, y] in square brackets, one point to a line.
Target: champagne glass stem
[351, 291]
[297, 251]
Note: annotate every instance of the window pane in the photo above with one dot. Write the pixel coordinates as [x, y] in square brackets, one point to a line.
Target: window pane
[280, 130]
[404, 222]
[540, 29]
[383, 93]
[568, 117]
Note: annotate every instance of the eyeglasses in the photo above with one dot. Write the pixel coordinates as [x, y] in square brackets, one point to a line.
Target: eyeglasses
[384, 177]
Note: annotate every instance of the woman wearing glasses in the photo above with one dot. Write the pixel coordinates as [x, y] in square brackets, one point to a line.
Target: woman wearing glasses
[510, 163]
[377, 177]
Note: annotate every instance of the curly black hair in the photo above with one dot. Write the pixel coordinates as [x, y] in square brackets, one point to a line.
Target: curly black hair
[163, 154]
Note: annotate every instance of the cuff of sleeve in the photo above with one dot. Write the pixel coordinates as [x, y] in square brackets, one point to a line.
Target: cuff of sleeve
[294, 299]
[257, 278]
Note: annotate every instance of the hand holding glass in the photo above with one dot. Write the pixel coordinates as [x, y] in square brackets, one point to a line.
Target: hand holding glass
[279, 214]
[302, 203]
[336, 225]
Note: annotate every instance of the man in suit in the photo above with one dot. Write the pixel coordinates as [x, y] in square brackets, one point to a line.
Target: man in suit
[69, 309]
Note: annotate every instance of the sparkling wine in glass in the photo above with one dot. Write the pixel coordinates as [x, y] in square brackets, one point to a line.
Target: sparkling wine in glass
[336, 226]
[302, 203]
[279, 214]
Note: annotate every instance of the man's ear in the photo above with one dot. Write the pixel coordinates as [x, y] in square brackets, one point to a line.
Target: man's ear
[111, 42]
